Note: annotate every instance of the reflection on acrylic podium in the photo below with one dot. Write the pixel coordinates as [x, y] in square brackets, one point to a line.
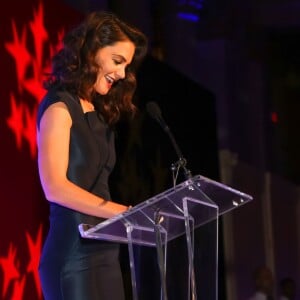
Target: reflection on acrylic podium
[174, 213]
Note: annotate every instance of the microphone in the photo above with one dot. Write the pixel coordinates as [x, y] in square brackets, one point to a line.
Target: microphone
[155, 112]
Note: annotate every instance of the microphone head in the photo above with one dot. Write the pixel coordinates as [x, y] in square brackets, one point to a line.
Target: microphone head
[154, 110]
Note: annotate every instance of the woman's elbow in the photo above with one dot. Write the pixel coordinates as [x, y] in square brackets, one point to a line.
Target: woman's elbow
[52, 190]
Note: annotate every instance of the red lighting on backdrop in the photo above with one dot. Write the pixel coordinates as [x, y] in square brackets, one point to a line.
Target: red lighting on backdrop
[274, 117]
[28, 45]
[30, 67]
[13, 278]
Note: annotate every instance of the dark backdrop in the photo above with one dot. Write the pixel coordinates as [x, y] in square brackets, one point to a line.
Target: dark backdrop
[145, 156]
[29, 36]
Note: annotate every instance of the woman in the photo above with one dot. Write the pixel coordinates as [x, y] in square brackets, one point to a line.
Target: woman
[89, 89]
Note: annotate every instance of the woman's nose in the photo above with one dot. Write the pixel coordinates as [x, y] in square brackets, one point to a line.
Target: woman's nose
[121, 73]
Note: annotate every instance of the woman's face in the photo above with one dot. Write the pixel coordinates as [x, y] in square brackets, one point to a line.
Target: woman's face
[113, 61]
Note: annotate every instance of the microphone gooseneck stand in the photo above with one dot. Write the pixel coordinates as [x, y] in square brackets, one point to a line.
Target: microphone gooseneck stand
[155, 112]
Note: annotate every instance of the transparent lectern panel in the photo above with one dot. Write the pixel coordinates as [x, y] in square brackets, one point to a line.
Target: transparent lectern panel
[203, 198]
[186, 218]
[225, 197]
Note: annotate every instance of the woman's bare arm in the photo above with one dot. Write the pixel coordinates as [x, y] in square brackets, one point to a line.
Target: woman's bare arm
[53, 140]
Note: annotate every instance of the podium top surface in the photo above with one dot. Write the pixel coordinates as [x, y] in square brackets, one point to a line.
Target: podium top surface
[198, 200]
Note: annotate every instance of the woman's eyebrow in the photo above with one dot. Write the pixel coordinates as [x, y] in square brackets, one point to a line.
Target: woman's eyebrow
[121, 57]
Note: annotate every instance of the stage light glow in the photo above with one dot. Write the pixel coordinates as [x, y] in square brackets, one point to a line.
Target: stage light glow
[188, 16]
[189, 10]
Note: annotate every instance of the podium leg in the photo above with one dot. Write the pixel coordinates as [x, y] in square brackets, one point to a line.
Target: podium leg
[161, 258]
[189, 230]
[132, 262]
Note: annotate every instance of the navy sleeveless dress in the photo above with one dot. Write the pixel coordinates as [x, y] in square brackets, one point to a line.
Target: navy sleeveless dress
[73, 268]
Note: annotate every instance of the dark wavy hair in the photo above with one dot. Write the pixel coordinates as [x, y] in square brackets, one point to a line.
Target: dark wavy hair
[74, 67]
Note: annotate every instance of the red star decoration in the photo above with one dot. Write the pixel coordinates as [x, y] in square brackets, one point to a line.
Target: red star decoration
[18, 290]
[30, 66]
[34, 251]
[18, 50]
[34, 87]
[9, 269]
[40, 34]
[15, 121]
[29, 130]
[22, 120]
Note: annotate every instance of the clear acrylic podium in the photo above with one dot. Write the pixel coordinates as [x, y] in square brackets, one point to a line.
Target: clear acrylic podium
[173, 213]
